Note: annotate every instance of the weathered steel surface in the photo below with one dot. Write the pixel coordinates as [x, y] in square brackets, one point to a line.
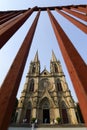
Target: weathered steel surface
[11, 27]
[11, 83]
[75, 65]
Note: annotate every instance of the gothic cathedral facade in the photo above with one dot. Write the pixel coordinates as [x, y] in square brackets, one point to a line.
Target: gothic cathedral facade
[46, 95]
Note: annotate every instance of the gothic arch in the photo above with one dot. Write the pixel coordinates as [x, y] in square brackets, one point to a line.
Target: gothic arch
[28, 112]
[62, 38]
[44, 103]
[33, 68]
[31, 85]
[56, 68]
[63, 112]
[29, 106]
[44, 110]
[59, 85]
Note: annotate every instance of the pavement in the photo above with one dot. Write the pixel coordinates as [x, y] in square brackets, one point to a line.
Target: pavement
[24, 128]
[46, 127]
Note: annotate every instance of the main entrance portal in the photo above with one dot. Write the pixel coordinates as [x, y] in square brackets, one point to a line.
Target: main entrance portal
[46, 116]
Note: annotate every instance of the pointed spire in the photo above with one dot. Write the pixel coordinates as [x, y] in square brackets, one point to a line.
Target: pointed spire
[36, 57]
[53, 56]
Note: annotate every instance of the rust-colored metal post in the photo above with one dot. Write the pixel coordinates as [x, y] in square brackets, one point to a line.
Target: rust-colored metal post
[74, 13]
[84, 9]
[75, 65]
[80, 25]
[6, 15]
[77, 9]
[5, 19]
[8, 30]
[11, 83]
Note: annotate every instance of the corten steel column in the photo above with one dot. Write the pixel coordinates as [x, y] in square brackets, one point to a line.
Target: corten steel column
[84, 9]
[11, 83]
[6, 15]
[3, 20]
[7, 31]
[77, 9]
[77, 23]
[74, 13]
[75, 65]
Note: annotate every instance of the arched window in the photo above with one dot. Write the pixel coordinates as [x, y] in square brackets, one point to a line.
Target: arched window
[29, 105]
[31, 88]
[33, 68]
[59, 86]
[55, 68]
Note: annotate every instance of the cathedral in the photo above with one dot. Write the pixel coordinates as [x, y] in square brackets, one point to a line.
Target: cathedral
[46, 95]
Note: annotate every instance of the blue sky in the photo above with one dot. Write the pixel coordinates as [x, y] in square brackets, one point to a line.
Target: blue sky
[44, 40]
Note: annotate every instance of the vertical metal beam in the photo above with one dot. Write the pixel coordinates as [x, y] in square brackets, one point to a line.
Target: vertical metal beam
[75, 65]
[7, 31]
[11, 83]
[80, 25]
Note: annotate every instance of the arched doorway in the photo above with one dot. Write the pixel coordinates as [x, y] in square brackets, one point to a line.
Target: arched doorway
[63, 113]
[46, 116]
[45, 110]
[64, 116]
[28, 113]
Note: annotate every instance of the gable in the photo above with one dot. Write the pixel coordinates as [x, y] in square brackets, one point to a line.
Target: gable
[45, 73]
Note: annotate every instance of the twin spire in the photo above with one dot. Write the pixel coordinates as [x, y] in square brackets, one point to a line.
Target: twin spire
[53, 56]
[36, 59]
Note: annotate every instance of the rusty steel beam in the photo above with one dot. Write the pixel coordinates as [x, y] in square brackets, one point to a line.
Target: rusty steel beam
[7, 31]
[9, 17]
[76, 14]
[11, 83]
[10, 13]
[6, 15]
[75, 65]
[77, 9]
[84, 9]
[77, 23]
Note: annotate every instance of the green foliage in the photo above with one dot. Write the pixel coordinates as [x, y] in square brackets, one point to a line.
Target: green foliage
[58, 119]
[33, 120]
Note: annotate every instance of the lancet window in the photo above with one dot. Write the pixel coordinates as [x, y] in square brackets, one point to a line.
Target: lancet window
[31, 88]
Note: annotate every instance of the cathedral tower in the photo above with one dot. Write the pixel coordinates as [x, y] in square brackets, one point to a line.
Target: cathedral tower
[46, 95]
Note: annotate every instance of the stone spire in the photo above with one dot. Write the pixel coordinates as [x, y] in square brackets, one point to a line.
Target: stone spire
[36, 57]
[53, 56]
